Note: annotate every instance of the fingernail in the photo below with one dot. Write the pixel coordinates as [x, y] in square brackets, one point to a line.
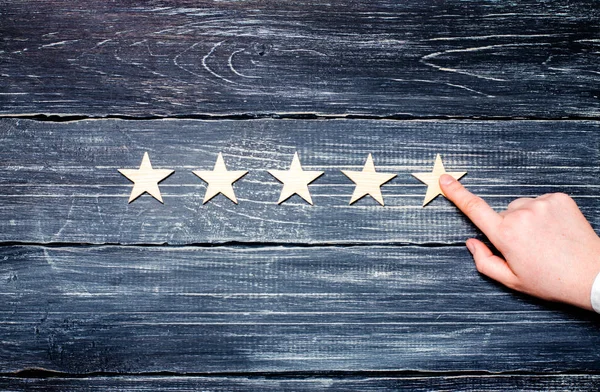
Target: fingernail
[471, 247]
[446, 179]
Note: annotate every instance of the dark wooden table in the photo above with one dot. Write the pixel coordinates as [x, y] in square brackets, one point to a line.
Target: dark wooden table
[99, 294]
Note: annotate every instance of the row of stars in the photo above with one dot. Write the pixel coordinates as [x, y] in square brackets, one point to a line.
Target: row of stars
[295, 180]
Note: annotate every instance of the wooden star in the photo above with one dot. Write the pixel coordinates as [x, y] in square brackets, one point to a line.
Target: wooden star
[146, 179]
[432, 179]
[220, 180]
[368, 181]
[295, 181]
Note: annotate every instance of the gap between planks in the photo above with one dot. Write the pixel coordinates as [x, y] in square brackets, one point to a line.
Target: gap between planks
[63, 117]
[336, 374]
[239, 245]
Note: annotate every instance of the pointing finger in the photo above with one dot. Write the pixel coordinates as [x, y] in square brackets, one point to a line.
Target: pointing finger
[474, 207]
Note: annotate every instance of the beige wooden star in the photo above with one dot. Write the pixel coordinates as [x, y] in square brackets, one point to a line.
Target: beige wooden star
[432, 179]
[368, 181]
[295, 181]
[220, 180]
[145, 179]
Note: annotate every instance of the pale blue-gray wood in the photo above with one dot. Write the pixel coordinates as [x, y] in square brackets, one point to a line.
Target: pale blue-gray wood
[59, 181]
[223, 309]
[402, 58]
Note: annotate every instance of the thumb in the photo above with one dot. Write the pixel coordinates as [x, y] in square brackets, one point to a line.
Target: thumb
[491, 265]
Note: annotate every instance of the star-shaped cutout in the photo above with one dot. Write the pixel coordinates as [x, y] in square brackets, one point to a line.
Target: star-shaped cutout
[432, 179]
[368, 181]
[145, 179]
[220, 180]
[295, 181]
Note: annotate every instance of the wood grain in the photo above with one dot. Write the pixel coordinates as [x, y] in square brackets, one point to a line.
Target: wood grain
[575, 382]
[258, 296]
[59, 181]
[386, 58]
[134, 309]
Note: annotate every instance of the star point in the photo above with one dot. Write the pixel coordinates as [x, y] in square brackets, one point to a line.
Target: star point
[432, 179]
[145, 179]
[220, 180]
[295, 180]
[368, 181]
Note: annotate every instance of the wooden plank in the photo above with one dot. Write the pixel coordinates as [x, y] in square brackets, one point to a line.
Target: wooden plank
[389, 58]
[576, 382]
[188, 310]
[59, 181]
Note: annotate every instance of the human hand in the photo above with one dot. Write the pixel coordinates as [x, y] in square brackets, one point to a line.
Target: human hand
[550, 250]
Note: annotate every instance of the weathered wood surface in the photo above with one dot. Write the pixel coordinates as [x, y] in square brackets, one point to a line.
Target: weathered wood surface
[337, 316]
[183, 310]
[390, 58]
[59, 181]
[542, 383]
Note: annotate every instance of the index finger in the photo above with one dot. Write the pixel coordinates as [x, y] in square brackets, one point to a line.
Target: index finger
[474, 207]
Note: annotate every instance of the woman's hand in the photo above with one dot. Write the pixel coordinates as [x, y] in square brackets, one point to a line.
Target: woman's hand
[550, 250]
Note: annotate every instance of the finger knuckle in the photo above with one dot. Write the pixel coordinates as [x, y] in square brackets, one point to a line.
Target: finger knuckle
[542, 206]
[561, 198]
[514, 203]
[523, 216]
[519, 203]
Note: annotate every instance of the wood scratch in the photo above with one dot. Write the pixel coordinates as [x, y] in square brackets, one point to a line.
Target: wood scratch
[446, 84]
[230, 63]
[68, 219]
[103, 42]
[484, 37]
[430, 56]
[176, 61]
[305, 50]
[208, 68]
[60, 43]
